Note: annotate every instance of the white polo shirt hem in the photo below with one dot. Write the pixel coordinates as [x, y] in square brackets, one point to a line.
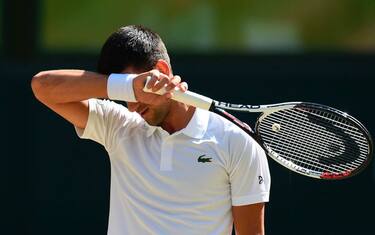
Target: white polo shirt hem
[251, 199]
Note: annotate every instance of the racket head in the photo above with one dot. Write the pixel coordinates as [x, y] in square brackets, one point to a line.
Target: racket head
[315, 140]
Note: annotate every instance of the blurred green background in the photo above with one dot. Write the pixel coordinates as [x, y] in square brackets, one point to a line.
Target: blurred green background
[243, 51]
[212, 25]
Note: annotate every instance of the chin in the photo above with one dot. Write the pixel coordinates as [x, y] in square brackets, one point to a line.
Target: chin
[151, 122]
[152, 118]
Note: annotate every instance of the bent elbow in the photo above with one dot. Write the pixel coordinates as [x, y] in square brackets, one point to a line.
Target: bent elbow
[38, 85]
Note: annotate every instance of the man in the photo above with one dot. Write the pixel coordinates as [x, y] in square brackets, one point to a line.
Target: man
[175, 169]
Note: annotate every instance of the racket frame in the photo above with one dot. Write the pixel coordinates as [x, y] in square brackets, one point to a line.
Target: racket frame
[301, 170]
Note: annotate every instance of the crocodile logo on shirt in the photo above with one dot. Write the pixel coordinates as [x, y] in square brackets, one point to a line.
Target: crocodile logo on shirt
[204, 159]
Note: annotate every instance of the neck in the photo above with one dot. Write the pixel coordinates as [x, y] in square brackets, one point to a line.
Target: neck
[178, 117]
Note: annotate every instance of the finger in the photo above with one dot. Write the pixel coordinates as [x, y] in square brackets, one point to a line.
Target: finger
[173, 83]
[163, 81]
[155, 77]
[183, 86]
[152, 81]
[167, 95]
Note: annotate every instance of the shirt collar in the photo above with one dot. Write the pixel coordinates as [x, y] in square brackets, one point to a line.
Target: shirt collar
[149, 129]
[196, 127]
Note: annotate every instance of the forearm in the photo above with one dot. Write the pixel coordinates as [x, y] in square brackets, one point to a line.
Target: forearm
[65, 86]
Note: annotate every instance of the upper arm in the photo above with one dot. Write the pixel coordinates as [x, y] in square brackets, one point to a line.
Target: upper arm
[249, 219]
[73, 94]
[66, 92]
[250, 185]
[249, 174]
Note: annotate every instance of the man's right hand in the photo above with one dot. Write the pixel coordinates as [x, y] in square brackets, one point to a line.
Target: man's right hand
[158, 81]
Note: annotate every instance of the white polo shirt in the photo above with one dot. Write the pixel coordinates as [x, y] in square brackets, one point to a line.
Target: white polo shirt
[184, 183]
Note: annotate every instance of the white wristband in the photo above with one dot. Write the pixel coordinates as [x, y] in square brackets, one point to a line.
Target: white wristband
[120, 87]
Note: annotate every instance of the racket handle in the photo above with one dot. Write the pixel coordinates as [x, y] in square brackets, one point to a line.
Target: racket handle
[187, 97]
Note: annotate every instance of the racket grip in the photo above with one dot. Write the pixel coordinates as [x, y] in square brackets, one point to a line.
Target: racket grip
[187, 97]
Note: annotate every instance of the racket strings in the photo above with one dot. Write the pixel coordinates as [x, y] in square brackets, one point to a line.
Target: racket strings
[304, 155]
[335, 120]
[361, 140]
[311, 147]
[352, 132]
[314, 131]
[318, 128]
[315, 139]
[306, 162]
[308, 139]
[313, 165]
[312, 141]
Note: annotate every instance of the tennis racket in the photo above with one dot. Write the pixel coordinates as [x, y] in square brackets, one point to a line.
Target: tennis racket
[308, 138]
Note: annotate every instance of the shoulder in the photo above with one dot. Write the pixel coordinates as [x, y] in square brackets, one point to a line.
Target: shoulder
[112, 112]
[108, 106]
[226, 129]
[233, 140]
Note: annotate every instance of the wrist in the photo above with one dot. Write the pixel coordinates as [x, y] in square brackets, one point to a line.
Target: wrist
[120, 87]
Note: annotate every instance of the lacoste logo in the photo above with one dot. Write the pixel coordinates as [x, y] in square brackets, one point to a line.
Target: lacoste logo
[204, 159]
[260, 178]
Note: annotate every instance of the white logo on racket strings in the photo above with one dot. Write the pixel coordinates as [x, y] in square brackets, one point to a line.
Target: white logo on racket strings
[276, 127]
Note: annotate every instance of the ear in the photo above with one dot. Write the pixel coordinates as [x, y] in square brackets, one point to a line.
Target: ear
[163, 67]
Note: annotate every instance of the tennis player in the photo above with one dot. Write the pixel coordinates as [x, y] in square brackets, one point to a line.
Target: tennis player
[175, 169]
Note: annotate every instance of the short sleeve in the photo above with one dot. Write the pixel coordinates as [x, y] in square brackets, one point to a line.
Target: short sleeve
[106, 118]
[249, 175]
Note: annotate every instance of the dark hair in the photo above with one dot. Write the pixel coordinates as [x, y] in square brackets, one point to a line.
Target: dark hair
[134, 46]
